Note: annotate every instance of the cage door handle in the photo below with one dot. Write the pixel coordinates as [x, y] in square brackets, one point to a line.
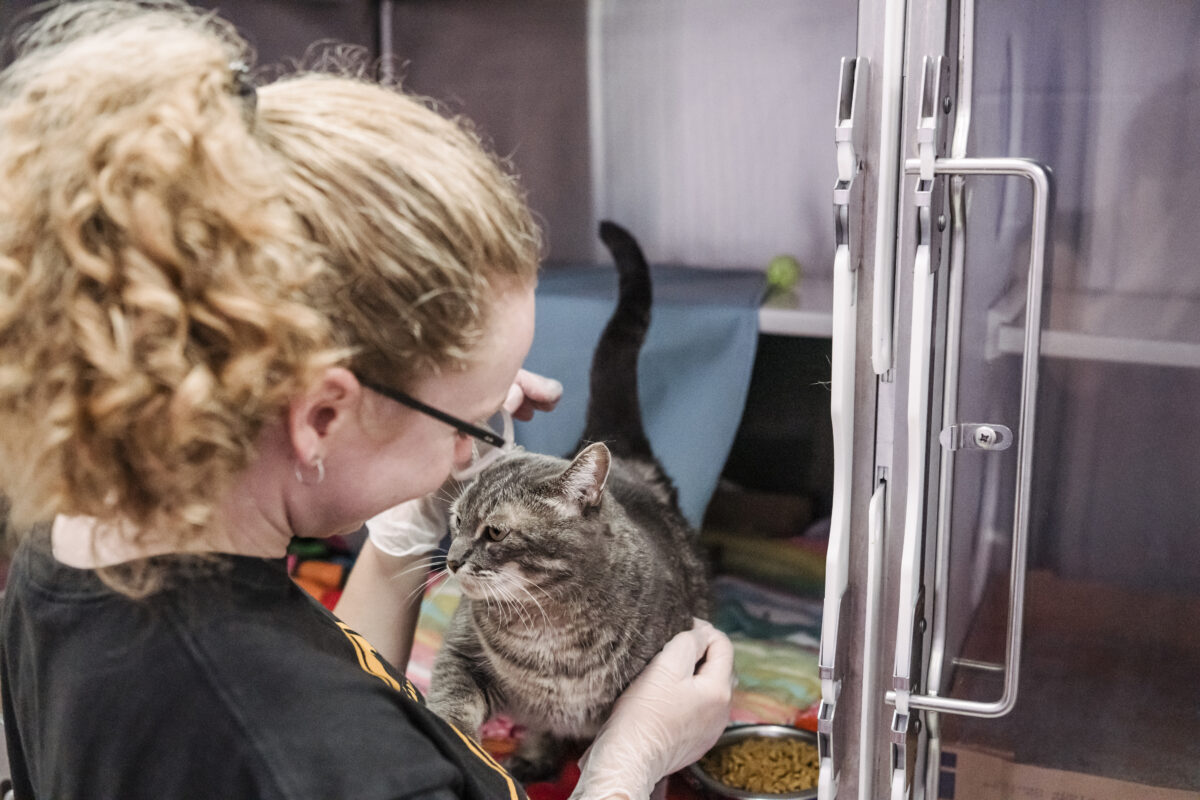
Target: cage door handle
[1039, 177]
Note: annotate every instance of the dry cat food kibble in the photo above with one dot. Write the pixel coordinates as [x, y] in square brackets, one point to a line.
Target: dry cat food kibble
[764, 764]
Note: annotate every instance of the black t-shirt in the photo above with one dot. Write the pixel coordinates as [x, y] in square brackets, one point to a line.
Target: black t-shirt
[230, 683]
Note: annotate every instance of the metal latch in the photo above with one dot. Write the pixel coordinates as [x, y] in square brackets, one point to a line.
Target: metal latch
[976, 436]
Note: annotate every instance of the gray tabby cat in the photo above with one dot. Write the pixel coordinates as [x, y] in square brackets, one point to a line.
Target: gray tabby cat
[574, 573]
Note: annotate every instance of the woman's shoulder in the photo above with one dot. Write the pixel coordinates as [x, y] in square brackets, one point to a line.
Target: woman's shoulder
[316, 694]
[240, 669]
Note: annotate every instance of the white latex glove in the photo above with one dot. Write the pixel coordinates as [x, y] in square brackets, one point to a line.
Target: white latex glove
[669, 717]
[417, 526]
[413, 527]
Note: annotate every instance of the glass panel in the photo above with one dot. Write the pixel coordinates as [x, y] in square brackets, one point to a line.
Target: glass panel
[1108, 95]
[712, 126]
[703, 125]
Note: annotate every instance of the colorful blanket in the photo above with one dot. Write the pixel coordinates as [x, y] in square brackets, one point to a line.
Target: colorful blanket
[775, 639]
[775, 635]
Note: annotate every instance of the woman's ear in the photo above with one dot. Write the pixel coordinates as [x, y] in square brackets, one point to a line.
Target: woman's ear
[321, 411]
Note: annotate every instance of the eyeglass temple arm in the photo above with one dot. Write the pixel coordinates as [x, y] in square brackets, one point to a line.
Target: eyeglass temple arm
[482, 434]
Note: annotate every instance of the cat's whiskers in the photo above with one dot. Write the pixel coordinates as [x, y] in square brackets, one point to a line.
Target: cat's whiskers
[450, 491]
[522, 584]
[413, 594]
[522, 614]
[420, 589]
[421, 565]
[431, 567]
[529, 582]
[518, 607]
[506, 598]
[450, 576]
[485, 598]
[492, 599]
[509, 606]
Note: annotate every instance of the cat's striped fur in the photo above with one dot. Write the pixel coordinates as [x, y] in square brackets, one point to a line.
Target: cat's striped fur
[574, 572]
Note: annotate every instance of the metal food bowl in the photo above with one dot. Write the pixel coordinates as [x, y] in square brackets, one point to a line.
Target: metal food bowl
[736, 733]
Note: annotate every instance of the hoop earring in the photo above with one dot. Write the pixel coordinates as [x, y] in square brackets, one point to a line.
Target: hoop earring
[319, 464]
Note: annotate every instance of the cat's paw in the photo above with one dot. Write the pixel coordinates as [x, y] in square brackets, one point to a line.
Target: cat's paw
[465, 727]
[538, 757]
[532, 771]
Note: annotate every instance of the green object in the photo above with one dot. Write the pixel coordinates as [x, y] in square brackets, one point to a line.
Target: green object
[783, 273]
[308, 548]
[769, 561]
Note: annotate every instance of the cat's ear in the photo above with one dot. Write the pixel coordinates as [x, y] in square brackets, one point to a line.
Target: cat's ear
[583, 481]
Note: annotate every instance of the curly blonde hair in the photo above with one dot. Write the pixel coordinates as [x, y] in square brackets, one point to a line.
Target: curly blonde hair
[177, 261]
[420, 223]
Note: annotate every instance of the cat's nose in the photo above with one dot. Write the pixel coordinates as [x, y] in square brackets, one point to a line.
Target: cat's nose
[453, 564]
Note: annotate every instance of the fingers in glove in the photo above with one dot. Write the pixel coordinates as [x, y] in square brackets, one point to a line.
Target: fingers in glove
[717, 663]
[685, 654]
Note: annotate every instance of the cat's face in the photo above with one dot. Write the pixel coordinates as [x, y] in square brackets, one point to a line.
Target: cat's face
[528, 524]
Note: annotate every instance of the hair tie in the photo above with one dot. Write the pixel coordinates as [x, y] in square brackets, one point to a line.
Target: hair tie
[243, 86]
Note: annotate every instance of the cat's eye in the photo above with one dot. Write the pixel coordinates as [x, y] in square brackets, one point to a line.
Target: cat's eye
[494, 534]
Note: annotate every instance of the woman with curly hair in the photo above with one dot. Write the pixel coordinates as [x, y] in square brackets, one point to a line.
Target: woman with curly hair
[229, 317]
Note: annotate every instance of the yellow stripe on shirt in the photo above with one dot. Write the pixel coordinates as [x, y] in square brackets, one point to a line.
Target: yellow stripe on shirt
[369, 660]
[487, 759]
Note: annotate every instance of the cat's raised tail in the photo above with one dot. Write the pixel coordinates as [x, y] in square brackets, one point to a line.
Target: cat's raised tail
[614, 416]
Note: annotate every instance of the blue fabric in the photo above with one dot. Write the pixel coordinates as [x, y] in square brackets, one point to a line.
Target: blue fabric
[693, 375]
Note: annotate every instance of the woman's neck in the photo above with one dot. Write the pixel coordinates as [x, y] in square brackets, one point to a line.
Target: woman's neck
[88, 543]
[252, 518]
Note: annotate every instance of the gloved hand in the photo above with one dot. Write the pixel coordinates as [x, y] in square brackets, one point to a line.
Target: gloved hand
[668, 718]
[413, 527]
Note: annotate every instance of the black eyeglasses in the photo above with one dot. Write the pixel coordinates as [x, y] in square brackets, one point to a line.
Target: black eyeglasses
[470, 429]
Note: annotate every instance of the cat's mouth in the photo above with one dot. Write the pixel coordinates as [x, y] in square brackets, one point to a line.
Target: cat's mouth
[473, 587]
[492, 586]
